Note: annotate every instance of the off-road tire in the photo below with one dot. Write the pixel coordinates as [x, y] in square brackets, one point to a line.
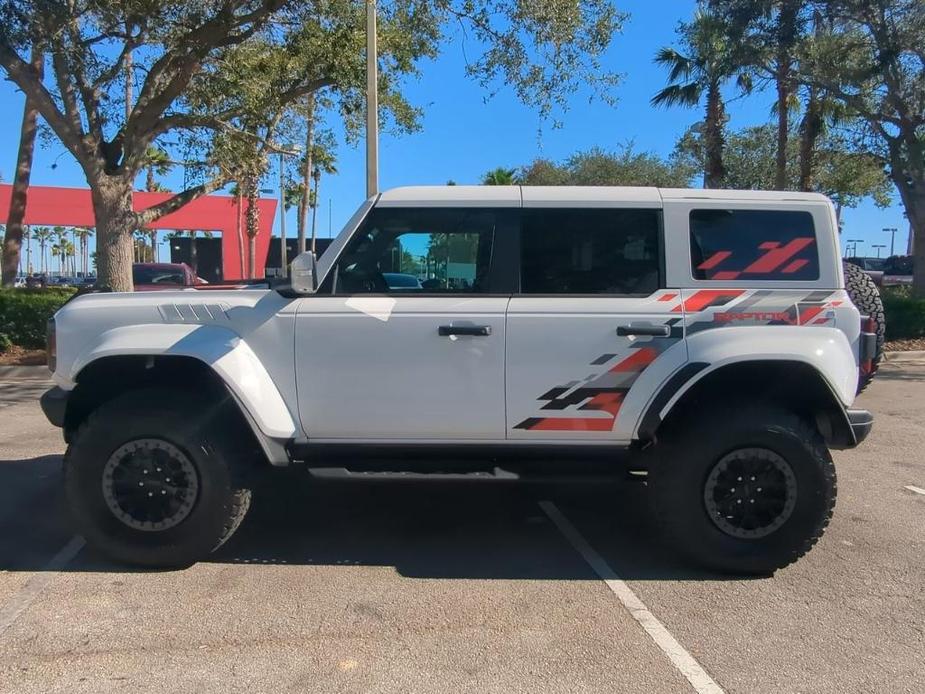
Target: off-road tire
[866, 297]
[198, 427]
[679, 469]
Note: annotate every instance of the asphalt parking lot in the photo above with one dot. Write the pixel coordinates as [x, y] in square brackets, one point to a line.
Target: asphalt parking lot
[359, 587]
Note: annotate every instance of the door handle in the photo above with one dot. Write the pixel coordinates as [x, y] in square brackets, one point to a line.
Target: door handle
[648, 330]
[471, 330]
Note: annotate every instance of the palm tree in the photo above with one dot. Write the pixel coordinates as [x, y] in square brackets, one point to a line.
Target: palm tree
[27, 239]
[59, 235]
[500, 177]
[43, 236]
[12, 245]
[324, 163]
[709, 61]
[83, 234]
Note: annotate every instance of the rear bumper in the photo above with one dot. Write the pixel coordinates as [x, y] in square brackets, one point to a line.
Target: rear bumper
[54, 405]
[861, 422]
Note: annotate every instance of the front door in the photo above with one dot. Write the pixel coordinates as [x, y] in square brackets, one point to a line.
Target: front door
[405, 339]
[590, 325]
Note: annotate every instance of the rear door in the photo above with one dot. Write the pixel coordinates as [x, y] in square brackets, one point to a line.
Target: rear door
[591, 324]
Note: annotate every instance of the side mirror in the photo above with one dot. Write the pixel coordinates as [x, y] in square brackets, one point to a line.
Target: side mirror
[302, 274]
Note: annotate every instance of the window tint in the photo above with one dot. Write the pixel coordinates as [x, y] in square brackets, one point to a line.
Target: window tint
[435, 250]
[589, 251]
[753, 245]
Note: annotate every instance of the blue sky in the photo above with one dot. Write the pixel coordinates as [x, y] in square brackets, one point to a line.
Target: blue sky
[463, 136]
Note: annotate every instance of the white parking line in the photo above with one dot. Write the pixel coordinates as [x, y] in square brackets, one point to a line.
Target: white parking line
[682, 660]
[917, 490]
[32, 588]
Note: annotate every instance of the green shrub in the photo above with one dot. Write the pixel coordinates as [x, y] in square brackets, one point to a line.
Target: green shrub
[25, 312]
[905, 315]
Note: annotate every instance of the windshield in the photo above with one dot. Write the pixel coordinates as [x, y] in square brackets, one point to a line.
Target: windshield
[165, 274]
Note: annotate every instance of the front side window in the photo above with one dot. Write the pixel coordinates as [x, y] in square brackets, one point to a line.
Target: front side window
[423, 250]
[753, 245]
[590, 251]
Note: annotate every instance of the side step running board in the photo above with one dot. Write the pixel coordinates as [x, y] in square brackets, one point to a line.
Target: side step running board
[495, 475]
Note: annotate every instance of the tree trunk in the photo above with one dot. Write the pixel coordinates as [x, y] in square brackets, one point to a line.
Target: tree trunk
[252, 225]
[12, 244]
[810, 129]
[786, 39]
[193, 253]
[115, 226]
[307, 170]
[315, 207]
[783, 124]
[714, 141]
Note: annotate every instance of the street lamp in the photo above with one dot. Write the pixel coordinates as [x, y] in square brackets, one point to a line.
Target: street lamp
[878, 246]
[892, 231]
[848, 250]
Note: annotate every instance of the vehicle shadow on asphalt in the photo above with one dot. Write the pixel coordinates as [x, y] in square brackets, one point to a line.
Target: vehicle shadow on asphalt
[427, 530]
[900, 372]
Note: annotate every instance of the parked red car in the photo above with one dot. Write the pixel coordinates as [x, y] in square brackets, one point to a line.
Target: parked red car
[154, 277]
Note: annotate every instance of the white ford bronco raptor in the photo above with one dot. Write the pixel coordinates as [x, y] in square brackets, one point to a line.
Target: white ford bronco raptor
[702, 337]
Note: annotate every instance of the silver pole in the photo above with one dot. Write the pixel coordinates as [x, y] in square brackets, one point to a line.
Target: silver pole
[372, 103]
[282, 219]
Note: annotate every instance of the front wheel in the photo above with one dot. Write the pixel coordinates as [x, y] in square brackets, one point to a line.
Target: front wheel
[151, 478]
[746, 490]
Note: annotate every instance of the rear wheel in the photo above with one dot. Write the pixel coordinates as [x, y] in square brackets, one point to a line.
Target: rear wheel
[866, 297]
[152, 478]
[746, 490]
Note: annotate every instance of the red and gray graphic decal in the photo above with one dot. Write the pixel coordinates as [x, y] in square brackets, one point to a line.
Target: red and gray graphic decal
[766, 307]
[600, 392]
[775, 261]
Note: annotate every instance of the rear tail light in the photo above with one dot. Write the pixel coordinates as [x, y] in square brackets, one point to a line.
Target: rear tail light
[51, 345]
[868, 343]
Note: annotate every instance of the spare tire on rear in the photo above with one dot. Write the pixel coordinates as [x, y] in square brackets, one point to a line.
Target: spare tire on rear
[866, 297]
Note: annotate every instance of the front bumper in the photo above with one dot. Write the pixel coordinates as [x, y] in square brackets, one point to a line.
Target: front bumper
[861, 422]
[54, 405]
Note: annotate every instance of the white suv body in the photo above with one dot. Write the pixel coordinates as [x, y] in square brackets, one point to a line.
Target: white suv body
[564, 318]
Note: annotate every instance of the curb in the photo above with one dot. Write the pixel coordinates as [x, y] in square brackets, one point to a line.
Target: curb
[911, 357]
[22, 373]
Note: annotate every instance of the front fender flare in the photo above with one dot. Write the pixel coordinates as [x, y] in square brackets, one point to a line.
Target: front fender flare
[221, 349]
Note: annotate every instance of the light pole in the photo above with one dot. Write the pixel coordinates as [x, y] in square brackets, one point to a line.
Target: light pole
[848, 251]
[878, 246]
[372, 103]
[283, 261]
[892, 231]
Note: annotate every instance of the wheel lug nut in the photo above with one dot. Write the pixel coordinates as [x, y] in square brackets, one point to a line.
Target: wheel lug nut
[751, 501]
[759, 489]
[739, 479]
[141, 484]
[739, 501]
[753, 479]
[150, 493]
[164, 492]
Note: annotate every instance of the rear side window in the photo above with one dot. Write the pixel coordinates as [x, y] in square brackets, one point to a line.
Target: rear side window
[589, 251]
[753, 245]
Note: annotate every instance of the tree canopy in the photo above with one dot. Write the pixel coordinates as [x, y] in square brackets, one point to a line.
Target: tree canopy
[216, 78]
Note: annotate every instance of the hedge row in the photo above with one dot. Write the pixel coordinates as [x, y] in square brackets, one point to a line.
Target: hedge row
[25, 312]
[905, 315]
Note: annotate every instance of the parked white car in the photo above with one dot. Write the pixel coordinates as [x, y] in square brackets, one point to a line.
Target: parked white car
[702, 336]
